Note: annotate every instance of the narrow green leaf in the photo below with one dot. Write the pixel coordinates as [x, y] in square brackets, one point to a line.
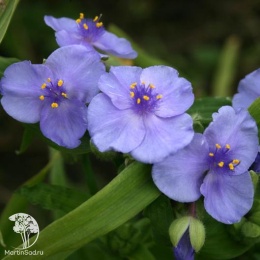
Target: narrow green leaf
[122, 199]
[28, 135]
[6, 14]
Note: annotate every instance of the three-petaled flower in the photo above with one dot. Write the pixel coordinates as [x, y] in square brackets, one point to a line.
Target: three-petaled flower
[142, 112]
[89, 33]
[54, 93]
[215, 164]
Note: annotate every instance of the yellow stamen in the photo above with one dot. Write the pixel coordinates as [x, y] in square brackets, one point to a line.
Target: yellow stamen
[159, 96]
[211, 154]
[81, 16]
[41, 97]
[143, 83]
[60, 82]
[221, 164]
[138, 101]
[132, 94]
[231, 166]
[151, 86]
[54, 105]
[78, 21]
[227, 146]
[100, 24]
[218, 146]
[85, 26]
[43, 86]
[133, 85]
[49, 79]
[64, 94]
[236, 161]
[95, 19]
[146, 98]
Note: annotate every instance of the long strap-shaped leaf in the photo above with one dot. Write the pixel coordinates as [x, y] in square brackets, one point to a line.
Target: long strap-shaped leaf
[124, 197]
[6, 13]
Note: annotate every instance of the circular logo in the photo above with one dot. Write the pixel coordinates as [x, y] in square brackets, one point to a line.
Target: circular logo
[27, 227]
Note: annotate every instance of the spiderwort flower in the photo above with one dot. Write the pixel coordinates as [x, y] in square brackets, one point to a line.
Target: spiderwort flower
[90, 33]
[184, 250]
[248, 90]
[142, 112]
[54, 93]
[215, 164]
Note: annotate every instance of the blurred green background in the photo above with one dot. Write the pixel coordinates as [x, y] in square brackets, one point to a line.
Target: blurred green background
[213, 44]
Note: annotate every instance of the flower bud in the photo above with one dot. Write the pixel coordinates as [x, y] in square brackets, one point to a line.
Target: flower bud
[197, 234]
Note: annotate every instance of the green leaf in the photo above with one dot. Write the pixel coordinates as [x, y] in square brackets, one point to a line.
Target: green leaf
[6, 13]
[4, 63]
[122, 199]
[28, 135]
[53, 197]
[203, 108]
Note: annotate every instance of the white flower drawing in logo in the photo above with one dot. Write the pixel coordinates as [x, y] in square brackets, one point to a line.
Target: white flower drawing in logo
[25, 225]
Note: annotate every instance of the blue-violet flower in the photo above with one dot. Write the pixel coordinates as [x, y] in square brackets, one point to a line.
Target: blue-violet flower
[215, 164]
[248, 90]
[54, 93]
[142, 112]
[184, 250]
[89, 33]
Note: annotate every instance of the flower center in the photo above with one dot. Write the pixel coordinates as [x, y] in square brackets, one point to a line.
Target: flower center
[53, 91]
[89, 29]
[221, 159]
[145, 98]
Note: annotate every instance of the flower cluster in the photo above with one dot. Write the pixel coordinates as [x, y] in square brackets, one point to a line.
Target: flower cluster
[142, 112]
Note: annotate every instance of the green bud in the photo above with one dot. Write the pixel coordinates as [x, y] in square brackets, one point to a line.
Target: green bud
[255, 178]
[250, 230]
[197, 234]
[178, 228]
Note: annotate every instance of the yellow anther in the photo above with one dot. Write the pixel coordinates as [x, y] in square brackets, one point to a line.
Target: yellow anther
[221, 164]
[231, 166]
[211, 154]
[236, 161]
[146, 98]
[43, 86]
[85, 26]
[49, 79]
[143, 83]
[100, 24]
[151, 86]
[60, 82]
[132, 94]
[41, 97]
[138, 101]
[64, 94]
[54, 105]
[81, 16]
[95, 19]
[78, 21]
[227, 146]
[218, 146]
[159, 96]
[133, 85]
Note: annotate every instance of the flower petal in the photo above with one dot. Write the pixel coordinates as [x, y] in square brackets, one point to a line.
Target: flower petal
[66, 124]
[58, 24]
[163, 137]
[176, 92]
[120, 47]
[248, 90]
[239, 130]
[111, 128]
[79, 69]
[24, 79]
[23, 109]
[65, 38]
[227, 198]
[116, 84]
[180, 175]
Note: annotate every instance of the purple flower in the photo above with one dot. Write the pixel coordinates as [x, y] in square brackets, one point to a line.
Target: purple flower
[248, 90]
[215, 164]
[54, 93]
[141, 111]
[184, 250]
[90, 33]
